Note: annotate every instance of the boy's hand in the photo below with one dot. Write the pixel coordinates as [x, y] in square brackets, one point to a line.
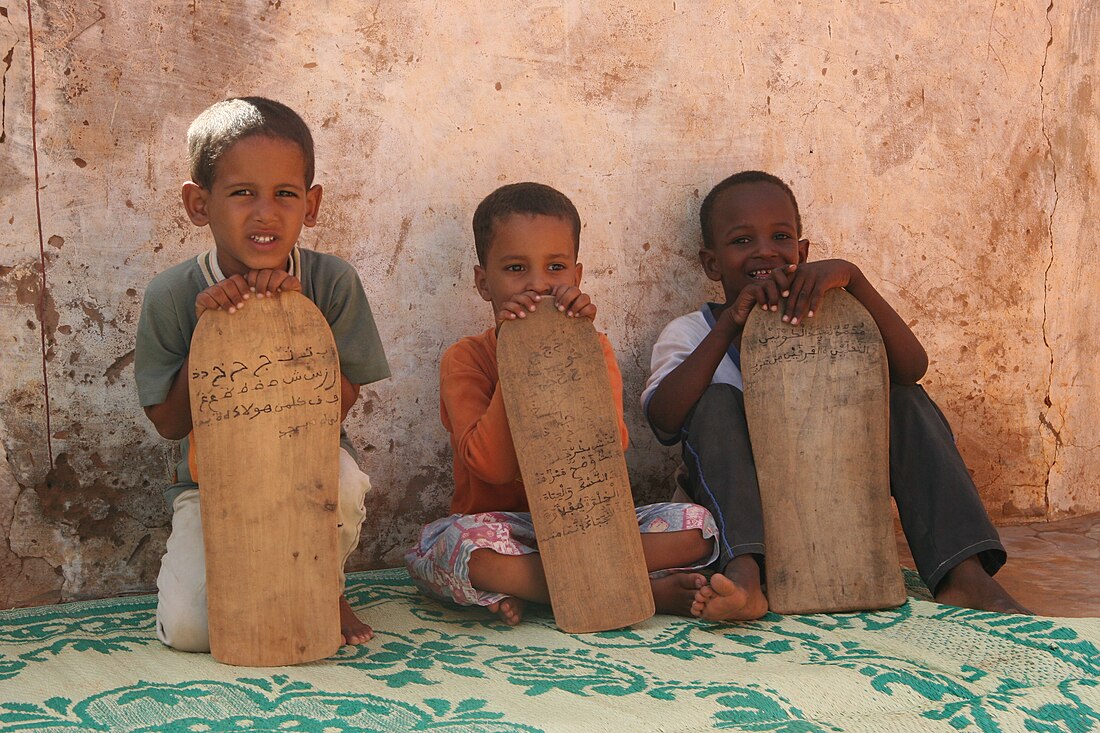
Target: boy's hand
[569, 298]
[573, 302]
[765, 293]
[232, 292]
[270, 282]
[809, 284]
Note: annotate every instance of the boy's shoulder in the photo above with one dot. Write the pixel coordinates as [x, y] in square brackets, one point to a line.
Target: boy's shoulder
[697, 323]
[313, 260]
[182, 280]
[471, 352]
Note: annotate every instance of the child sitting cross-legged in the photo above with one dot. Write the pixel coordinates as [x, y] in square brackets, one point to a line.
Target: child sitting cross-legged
[527, 236]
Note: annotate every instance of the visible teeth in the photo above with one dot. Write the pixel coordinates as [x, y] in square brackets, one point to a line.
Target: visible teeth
[760, 273]
[263, 240]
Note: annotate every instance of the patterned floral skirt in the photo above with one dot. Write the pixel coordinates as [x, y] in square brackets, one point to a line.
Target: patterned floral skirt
[439, 563]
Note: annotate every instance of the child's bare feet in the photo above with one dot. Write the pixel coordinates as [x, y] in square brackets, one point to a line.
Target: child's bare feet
[510, 609]
[733, 596]
[353, 630]
[968, 585]
[675, 593]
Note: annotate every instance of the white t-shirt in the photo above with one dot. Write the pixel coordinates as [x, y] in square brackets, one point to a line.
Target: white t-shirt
[676, 343]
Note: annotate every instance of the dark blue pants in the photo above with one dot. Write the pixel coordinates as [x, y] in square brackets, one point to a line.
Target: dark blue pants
[941, 513]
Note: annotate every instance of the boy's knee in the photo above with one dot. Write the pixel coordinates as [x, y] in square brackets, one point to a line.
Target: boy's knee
[720, 399]
[717, 407]
[183, 629]
[906, 395]
[700, 546]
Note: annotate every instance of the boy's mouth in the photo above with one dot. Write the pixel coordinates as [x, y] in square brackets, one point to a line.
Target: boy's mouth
[760, 274]
[262, 239]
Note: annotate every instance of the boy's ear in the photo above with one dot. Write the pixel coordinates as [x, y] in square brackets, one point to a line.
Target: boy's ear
[481, 280]
[803, 250]
[580, 272]
[194, 203]
[710, 264]
[313, 205]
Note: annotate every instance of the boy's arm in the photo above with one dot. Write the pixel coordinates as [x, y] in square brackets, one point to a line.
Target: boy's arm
[615, 377]
[678, 391]
[473, 411]
[172, 417]
[681, 388]
[349, 393]
[904, 352]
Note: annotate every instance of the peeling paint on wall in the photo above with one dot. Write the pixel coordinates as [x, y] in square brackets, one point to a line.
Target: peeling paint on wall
[949, 151]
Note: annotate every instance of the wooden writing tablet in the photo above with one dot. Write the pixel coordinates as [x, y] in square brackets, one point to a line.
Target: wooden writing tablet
[265, 404]
[565, 428]
[817, 404]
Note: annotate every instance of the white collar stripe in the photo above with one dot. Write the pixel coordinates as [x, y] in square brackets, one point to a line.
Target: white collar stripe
[212, 272]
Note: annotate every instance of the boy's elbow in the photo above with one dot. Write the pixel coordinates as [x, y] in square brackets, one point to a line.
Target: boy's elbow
[166, 427]
[494, 473]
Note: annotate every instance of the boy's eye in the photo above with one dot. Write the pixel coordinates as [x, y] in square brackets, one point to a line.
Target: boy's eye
[241, 192]
[782, 235]
[286, 193]
[557, 267]
[513, 268]
[741, 240]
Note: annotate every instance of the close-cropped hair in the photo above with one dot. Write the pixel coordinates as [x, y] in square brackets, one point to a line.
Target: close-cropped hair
[735, 179]
[522, 198]
[226, 123]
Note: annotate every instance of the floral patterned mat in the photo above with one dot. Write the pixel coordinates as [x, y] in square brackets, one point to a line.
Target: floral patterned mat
[97, 666]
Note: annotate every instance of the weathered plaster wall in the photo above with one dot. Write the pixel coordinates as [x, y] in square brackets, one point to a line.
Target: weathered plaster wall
[949, 149]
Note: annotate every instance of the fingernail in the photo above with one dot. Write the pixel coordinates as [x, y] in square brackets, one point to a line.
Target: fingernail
[786, 293]
[775, 308]
[794, 321]
[810, 314]
[786, 319]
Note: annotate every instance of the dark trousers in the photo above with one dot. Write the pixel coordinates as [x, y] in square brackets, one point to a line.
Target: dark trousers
[942, 516]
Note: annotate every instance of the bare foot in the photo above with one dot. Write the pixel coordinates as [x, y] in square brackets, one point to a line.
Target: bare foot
[733, 596]
[353, 630]
[510, 609]
[675, 593]
[968, 585]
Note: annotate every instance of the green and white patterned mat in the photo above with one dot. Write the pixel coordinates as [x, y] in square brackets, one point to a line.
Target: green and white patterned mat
[923, 667]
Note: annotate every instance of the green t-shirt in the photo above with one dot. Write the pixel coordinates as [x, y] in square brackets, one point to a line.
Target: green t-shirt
[168, 321]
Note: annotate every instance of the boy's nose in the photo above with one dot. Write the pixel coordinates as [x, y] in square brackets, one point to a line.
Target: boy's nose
[541, 285]
[264, 208]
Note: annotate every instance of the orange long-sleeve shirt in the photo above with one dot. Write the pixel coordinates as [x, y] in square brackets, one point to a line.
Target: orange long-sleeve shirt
[485, 466]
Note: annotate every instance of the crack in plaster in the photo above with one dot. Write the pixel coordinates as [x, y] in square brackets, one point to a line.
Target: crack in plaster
[76, 33]
[4, 94]
[989, 35]
[1050, 263]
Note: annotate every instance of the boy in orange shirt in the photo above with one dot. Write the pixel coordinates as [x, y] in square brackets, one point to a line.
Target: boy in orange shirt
[527, 236]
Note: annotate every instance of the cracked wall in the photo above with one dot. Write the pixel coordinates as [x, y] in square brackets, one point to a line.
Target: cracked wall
[950, 151]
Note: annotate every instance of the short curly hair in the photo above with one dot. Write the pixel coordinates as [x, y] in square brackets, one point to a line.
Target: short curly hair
[743, 177]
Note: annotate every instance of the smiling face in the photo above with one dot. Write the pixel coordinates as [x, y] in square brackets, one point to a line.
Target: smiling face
[257, 204]
[754, 229]
[527, 252]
